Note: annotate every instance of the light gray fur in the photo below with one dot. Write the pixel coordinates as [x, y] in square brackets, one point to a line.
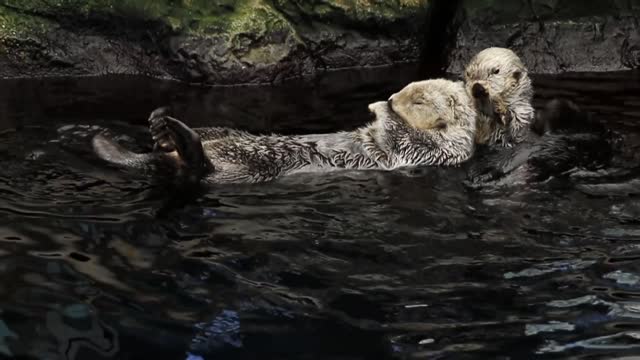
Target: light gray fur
[387, 143]
[509, 97]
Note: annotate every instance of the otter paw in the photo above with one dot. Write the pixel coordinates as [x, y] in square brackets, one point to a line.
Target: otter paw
[501, 112]
[161, 133]
[505, 118]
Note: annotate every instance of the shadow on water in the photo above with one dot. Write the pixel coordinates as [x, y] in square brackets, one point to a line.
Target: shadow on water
[96, 263]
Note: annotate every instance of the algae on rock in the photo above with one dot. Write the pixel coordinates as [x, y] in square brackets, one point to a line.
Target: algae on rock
[257, 41]
[221, 42]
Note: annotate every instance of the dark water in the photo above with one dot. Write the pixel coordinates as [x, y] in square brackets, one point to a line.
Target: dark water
[98, 264]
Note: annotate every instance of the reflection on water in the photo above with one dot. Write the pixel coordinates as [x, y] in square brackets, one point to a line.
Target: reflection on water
[99, 264]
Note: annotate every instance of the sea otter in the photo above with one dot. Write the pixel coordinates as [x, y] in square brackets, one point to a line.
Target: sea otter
[514, 143]
[501, 89]
[429, 122]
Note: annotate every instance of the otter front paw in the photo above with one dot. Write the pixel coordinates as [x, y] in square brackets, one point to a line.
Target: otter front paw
[502, 113]
[163, 136]
[505, 118]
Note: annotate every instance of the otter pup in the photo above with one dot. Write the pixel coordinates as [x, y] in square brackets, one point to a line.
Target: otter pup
[515, 143]
[499, 84]
[427, 123]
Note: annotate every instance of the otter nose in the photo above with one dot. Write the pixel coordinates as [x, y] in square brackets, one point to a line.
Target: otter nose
[478, 91]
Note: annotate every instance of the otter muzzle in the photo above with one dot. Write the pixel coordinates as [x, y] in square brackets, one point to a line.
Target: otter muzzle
[478, 91]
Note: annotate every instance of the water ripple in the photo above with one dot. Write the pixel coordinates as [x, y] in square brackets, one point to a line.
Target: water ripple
[100, 263]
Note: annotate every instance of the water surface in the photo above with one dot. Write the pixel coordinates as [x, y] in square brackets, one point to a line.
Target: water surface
[100, 264]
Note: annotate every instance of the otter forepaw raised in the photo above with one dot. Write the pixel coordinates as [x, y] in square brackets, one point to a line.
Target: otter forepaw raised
[505, 118]
[502, 113]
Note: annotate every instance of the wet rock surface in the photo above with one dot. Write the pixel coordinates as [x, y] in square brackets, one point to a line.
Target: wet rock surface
[226, 42]
[268, 41]
[552, 36]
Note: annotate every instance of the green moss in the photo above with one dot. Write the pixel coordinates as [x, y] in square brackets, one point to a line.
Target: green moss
[252, 29]
[16, 25]
[209, 17]
[257, 17]
[238, 31]
[180, 15]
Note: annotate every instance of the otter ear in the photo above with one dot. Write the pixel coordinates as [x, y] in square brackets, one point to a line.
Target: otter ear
[440, 124]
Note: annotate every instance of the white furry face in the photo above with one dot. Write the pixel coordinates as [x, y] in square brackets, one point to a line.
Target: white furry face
[497, 81]
[430, 104]
[500, 71]
[430, 122]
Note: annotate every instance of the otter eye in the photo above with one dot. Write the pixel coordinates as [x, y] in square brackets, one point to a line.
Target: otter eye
[495, 71]
[441, 124]
[517, 75]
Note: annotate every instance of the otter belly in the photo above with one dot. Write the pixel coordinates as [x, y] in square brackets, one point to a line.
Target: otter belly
[250, 158]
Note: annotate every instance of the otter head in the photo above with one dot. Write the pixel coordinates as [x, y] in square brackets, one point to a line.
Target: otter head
[497, 72]
[500, 86]
[433, 105]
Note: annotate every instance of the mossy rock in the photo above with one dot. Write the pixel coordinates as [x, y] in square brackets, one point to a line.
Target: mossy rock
[250, 41]
[224, 41]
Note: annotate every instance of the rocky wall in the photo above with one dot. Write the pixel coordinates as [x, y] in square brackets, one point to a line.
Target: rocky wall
[213, 42]
[552, 36]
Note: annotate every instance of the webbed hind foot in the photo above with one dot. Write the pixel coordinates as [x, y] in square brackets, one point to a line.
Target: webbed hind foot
[170, 134]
